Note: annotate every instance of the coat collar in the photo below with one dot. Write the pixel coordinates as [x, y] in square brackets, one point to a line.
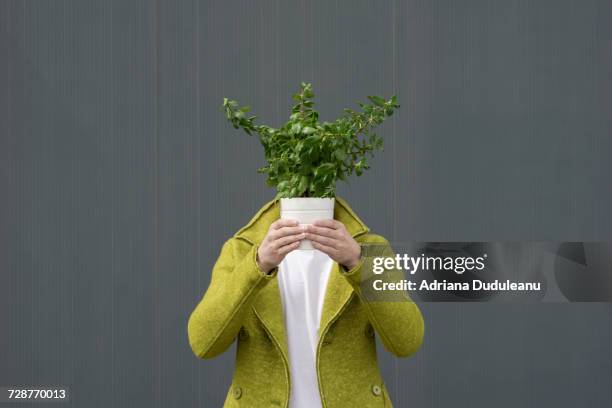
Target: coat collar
[268, 306]
[256, 229]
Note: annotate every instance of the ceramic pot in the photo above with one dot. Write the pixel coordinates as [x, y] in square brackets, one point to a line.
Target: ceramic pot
[306, 210]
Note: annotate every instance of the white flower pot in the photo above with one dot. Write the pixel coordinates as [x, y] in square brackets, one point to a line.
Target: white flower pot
[306, 210]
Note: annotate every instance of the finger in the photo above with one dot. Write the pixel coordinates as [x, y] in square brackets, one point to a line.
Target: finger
[324, 231]
[282, 251]
[333, 224]
[283, 223]
[285, 231]
[330, 242]
[287, 240]
[324, 248]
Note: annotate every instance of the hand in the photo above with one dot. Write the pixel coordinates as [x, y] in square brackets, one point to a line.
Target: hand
[282, 237]
[331, 237]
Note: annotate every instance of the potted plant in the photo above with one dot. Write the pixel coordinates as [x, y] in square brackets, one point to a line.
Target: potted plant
[306, 157]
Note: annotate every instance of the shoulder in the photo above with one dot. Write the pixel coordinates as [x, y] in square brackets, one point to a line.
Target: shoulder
[235, 247]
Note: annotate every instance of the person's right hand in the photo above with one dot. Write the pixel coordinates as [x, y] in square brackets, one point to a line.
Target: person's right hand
[282, 237]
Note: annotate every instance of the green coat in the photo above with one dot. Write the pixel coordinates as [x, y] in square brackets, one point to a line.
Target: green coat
[243, 303]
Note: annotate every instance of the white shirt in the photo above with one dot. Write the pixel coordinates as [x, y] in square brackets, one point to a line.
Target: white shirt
[302, 280]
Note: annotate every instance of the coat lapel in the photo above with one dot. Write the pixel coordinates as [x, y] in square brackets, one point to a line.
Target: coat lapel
[337, 293]
[269, 310]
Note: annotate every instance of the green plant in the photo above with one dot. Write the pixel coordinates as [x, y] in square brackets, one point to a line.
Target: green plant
[305, 157]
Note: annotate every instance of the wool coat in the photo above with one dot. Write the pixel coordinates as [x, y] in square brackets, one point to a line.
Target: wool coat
[243, 304]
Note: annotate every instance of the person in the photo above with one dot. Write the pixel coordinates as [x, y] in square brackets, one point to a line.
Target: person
[304, 328]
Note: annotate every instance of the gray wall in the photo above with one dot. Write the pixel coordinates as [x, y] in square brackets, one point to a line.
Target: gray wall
[120, 179]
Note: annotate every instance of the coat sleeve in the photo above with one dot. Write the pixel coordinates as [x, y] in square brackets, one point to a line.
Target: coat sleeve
[235, 283]
[395, 317]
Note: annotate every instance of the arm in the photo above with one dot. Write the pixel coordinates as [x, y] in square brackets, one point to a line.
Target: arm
[396, 319]
[235, 283]
[398, 322]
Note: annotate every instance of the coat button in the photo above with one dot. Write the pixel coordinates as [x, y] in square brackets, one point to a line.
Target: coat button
[376, 390]
[237, 392]
[369, 331]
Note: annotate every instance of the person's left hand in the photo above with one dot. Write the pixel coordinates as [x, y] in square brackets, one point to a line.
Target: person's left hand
[331, 237]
